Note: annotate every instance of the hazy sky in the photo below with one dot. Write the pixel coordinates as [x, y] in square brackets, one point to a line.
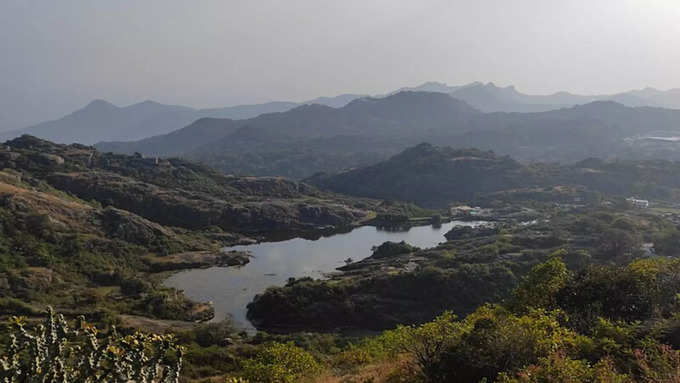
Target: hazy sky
[57, 55]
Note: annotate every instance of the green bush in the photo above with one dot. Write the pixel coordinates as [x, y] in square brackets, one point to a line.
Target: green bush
[280, 363]
[428, 342]
[538, 288]
[484, 344]
[558, 368]
[391, 249]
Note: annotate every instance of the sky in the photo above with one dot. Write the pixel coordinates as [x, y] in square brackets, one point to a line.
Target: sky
[56, 56]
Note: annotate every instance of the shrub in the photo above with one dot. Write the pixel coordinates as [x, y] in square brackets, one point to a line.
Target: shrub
[210, 334]
[55, 351]
[639, 291]
[387, 345]
[495, 340]
[487, 342]
[391, 249]
[16, 306]
[208, 361]
[428, 342]
[280, 363]
[559, 368]
[658, 364]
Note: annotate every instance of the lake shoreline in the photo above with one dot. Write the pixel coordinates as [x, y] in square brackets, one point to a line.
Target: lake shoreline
[231, 289]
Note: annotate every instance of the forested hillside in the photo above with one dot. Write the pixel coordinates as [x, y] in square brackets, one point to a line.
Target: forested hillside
[438, 176]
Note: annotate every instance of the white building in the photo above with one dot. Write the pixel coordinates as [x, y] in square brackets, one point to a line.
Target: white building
[638, 203]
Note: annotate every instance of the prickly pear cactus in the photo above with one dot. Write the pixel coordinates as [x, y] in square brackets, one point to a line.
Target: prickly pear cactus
[58, 352]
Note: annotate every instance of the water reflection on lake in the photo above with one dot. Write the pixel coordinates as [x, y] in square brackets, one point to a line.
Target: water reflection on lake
[231, 289]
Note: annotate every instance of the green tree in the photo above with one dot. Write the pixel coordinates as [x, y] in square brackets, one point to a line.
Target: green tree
[667, 242]
[427, 342]
[489, 341]
[540, 286]
[280, 363]
[615, 242]
[495, 340]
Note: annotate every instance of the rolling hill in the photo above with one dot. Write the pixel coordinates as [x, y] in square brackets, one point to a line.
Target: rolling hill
[435, 177]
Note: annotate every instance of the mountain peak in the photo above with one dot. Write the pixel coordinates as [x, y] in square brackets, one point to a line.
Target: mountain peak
[149, 102]
[430, 86]
[406, 98]
[605, 104]
[27, 141]
[145, 105]
[415, 152]
[474, 83]
[602, 106]
[99, 103]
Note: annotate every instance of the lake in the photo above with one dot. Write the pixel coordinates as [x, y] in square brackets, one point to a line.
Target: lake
[232, 288]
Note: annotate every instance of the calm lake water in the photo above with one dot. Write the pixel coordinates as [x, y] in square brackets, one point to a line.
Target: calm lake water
[231, 289]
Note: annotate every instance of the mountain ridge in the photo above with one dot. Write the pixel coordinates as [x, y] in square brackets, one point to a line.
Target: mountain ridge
[308, 139]
[123, 124]
[144, 119]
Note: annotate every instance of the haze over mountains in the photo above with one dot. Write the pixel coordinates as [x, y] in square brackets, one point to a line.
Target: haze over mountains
[491, 98]
[313, 138]
[103, 121]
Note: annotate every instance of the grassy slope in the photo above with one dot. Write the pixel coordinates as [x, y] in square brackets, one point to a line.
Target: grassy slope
[85, 231]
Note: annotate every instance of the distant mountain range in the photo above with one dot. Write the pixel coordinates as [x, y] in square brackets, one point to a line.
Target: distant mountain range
[314, 138]
[103, 121]
[491, 98]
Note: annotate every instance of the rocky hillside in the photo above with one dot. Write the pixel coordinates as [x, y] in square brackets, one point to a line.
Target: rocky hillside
[75, 254]
[179, 193]
[86, 231]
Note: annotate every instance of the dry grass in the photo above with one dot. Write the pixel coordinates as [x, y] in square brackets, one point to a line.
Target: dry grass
[390, 371]
[62, 212]
[157, 326]
[43, 198]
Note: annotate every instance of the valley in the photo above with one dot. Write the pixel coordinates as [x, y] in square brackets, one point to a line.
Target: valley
[277, 191]
[349, 267]
[91, 231]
